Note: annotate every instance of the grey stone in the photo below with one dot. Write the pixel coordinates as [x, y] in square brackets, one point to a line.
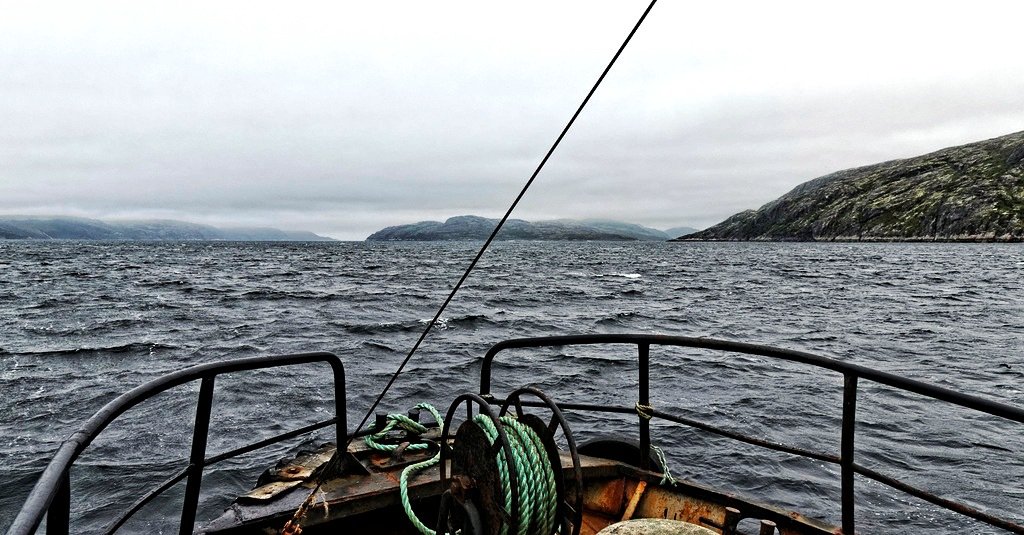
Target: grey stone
[655, 526]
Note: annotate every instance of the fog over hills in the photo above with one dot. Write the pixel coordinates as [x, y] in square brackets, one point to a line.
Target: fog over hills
[76, 228]
[471, 227]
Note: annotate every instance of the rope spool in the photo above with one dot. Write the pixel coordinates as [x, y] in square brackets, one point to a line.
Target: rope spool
[530, 467]
[534, 467]
[507, 476]
[507, 469]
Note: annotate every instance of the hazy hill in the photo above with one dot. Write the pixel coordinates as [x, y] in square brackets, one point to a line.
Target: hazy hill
[680, 231]
[469, 227]
[972, 192]
[76, 228]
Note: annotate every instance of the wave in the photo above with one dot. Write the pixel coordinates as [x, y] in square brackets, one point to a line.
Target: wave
[172, 283]
[473, 321]
[374, 344]
[467, 320]
[134, 347]
[381, 327]
[118, 324]
[45, 304]
[632, 276]
[266, 294]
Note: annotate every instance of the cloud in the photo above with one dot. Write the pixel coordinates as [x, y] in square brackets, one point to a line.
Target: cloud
[342, 119]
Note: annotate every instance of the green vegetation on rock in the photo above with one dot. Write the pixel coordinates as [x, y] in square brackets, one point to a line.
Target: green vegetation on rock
[973, 192]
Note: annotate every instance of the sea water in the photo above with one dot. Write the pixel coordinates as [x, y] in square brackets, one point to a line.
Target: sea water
[81, 322]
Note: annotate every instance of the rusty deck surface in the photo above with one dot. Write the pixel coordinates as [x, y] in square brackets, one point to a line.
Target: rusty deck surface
[613, 491]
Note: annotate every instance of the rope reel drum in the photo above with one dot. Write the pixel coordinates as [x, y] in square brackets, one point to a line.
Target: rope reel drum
[506, 474]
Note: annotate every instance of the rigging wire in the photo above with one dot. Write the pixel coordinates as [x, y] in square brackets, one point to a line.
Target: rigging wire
[500, 224]
[335, 463]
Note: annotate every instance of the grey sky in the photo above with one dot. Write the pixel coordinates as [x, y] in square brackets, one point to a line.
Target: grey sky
[342, 118]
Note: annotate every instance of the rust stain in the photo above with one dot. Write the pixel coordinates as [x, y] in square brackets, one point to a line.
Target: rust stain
[594, 523]
[658, 503]
[607, 498]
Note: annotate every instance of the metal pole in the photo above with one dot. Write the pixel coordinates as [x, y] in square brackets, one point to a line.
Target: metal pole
[732, 519]
[340, 407]
[644, 354]
[846, 449]
[197, 459]
[58, 516]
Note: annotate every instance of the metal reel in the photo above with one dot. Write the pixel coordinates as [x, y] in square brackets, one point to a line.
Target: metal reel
[474, 483]
[458, 517]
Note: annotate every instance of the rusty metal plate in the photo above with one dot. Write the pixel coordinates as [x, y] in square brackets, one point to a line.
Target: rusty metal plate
[299, 468]
[269, 491]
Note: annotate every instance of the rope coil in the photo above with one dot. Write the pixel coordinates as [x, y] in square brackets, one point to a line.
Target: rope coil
[538, 491]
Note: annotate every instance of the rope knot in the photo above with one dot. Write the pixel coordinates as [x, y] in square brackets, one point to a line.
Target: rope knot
[644, 411]
[407, 423]
[403, 422]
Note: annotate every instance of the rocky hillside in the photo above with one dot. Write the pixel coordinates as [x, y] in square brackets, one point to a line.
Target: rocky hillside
[469, 227]
[76, 228]
[973, 192]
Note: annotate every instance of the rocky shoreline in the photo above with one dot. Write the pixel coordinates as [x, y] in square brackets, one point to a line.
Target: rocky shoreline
[968, 193]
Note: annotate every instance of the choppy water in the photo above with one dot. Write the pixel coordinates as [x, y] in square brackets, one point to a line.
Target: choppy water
[82, 322]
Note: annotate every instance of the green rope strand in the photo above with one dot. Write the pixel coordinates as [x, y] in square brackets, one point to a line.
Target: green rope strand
[647, 412]
[549, 497]
[403, 487]
[403, 422]
[666, 476]
[524, 469]
[538, 492]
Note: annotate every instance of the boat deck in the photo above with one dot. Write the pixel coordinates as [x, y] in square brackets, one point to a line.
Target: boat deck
[369, 496]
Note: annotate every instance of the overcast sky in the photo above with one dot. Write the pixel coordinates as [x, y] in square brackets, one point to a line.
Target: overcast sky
[342, 118]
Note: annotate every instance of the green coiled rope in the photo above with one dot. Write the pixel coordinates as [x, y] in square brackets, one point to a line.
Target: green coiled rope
[538, 495]
[538, 492]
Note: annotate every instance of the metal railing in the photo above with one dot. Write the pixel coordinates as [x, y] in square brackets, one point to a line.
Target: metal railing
[852, 373]
[51, 496]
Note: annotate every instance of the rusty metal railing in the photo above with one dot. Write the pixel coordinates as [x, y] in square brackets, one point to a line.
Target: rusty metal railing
[51, 496]
[851, 373]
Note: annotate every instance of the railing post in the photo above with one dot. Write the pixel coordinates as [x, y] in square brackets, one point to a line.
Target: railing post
[58, 516]
[340, 408]
[644, 354]
[197, 459]
[846, 449]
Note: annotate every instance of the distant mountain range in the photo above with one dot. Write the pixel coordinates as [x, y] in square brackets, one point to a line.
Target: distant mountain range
[972, 192]
[75, 228]
[470, 227]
